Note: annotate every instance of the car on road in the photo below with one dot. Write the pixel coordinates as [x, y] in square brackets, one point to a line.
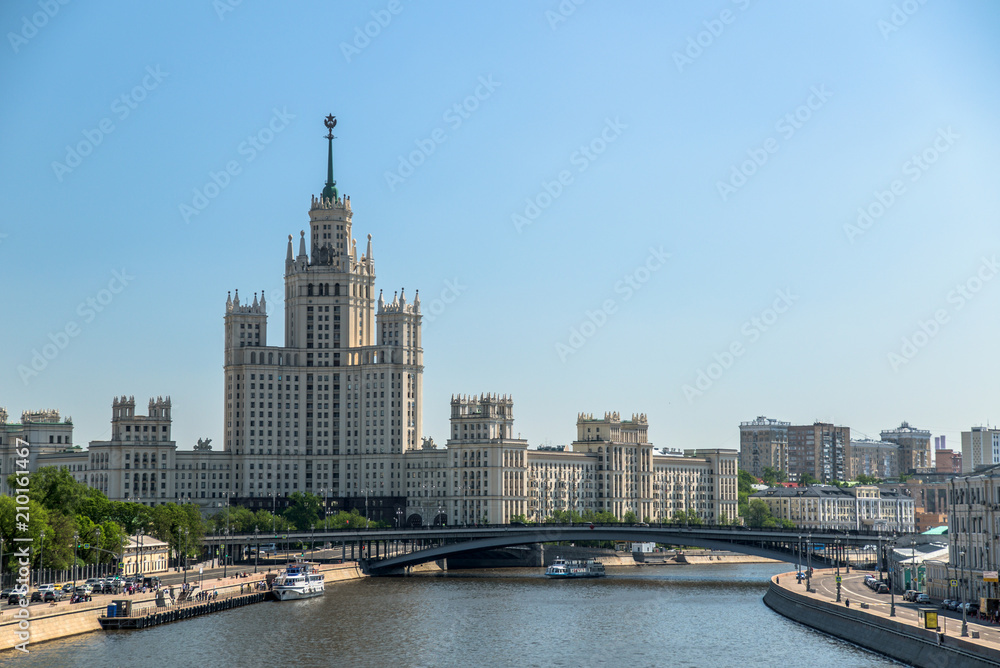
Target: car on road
[945, 603]
[910, 595]
[922, 598]
[882, 589]
[953, 605]
[15, 598]
[36, 596]
[51, 596]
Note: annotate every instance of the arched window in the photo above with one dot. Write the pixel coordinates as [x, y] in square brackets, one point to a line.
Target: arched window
[309, 290]
[336, 289]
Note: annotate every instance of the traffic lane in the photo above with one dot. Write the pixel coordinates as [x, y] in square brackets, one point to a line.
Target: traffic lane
[826, 584]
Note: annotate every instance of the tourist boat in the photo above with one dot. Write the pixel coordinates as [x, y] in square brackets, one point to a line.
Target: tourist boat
[572, 568]
[298, 580]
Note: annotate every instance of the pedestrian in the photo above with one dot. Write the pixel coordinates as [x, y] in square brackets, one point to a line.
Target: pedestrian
[847, 602]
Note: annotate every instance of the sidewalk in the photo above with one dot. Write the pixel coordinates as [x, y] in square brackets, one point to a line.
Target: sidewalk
[824, 588]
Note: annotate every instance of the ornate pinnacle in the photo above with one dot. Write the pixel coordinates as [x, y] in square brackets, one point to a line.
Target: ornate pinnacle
[330, 189]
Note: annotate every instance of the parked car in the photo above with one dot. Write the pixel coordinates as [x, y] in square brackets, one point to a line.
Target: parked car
[922, 598]
[945, 603]
[882, 589]
[953, 605]
[910, 595]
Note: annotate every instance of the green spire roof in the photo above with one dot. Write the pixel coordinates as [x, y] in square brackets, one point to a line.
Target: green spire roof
[330, 189]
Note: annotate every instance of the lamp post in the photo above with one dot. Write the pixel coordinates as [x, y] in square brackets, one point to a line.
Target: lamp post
[965, 605]
[256, 552]
[76, 541]
[892, 579]
[41, 555]
[312, 541]
[225, 553]
[836, 552]
[97, 530]
[187, 534]
[809, 562]
[1, 562]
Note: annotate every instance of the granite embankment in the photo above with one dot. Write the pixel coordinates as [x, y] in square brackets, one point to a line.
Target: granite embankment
[873, 629]
[52, 621]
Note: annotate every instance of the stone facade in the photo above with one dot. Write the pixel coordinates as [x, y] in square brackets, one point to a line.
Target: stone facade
[763, 443]
[874, 458]
[980, 447]
[914, 447]
[824, 507]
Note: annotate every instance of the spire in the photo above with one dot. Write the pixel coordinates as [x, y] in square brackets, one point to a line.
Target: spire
[229, 307]
[263, 304]
[302, 243]
[288, 253]
[330, 189]
[368, 253]
[381, 302]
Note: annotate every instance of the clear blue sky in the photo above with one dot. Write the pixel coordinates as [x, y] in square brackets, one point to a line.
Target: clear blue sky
[648, 132]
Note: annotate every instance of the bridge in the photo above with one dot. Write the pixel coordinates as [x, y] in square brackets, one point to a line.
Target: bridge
[390, 551]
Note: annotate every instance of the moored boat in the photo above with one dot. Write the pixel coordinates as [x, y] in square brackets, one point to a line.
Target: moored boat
[299, 580]
[575, 568]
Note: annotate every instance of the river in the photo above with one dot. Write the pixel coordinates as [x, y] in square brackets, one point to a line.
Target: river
[675, 616]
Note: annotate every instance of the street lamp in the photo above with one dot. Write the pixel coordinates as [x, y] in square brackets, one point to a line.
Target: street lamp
[892, 579]
[836, 552]
[256, 552]
[76, 541]
[41, 555]
[187, 535]
[97, 542]
[965, 605]
[809, 562]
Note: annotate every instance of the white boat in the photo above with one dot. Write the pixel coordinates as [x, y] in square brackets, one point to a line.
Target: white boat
[299, 580]
[588, 568]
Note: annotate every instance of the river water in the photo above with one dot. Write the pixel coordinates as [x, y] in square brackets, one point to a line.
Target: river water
[675, 616]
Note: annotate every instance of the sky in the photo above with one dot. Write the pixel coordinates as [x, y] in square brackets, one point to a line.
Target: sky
[703, 212]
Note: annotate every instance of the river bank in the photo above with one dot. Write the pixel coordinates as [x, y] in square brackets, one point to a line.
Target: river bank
[52, 621]
[874, 627]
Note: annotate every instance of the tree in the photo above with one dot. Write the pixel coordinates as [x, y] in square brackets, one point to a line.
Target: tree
[807, 479]
[630, 518]
[305, 510]
[518, 519]
[758, 513]
[867, 479]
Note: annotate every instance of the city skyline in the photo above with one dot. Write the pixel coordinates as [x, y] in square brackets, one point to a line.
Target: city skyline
[731, 147]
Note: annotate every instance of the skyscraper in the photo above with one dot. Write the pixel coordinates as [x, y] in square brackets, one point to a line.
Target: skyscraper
[344, 391]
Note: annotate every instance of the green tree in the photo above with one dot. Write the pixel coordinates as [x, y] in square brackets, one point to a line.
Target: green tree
[808, 479]
[630, 517]
[758, 513]
[519, 518]
[304, 511]
[867, 479]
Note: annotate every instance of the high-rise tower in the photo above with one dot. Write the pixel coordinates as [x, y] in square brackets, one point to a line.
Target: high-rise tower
[332, 401]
